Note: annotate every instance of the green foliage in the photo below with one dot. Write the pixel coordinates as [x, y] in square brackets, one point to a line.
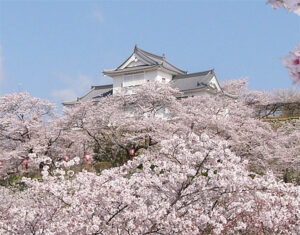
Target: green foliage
[140, 166]
[291, 176]
[15, 182]
[152, 167]
[252, 176]
[100, 166]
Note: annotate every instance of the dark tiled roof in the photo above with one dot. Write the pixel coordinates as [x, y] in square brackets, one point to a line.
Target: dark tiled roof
[193, 81]
[160, 60]
[96, 92]
[204, 73]
[110, 92]
[151, 61]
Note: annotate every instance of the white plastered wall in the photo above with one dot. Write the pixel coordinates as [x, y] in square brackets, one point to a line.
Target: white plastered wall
[215, 83]
[122, 80]
[162, 74]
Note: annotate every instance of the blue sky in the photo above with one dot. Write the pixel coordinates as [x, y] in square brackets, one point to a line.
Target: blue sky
[57, 49]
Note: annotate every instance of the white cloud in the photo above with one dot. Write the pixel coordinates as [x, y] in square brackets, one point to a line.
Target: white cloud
[76, 87]
[97, 14]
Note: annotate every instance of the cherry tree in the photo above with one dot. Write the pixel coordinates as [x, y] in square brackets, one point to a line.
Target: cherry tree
[109, 128]
[292, 60]
[193, 174]
[22, 127]
[30, 133]
[236, 87]
[175, 142]
[192, 185]
[283, 107]
[235, 121]
[113, 125]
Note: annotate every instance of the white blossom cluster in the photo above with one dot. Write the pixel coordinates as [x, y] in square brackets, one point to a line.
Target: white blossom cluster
[292, 62]
[289, 5]
[193, 185]
[190, 175]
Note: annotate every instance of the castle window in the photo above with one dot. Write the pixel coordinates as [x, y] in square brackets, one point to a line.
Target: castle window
[133, 79]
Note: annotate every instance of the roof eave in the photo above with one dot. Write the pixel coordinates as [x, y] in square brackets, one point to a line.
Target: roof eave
[102, 86]
[124, 62]
[172, 72]
[179, 71]
[112, 73]
[69, 103]
[146, 53]
[208, 88]
[204, 73]
[230, 95]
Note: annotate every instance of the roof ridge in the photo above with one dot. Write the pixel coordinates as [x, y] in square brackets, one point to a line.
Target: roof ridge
[124, 61]
[151, 54]
[150, 60]
[92, 89]
[180, 76]
[165, 61]
[162, 58]
[145, 57]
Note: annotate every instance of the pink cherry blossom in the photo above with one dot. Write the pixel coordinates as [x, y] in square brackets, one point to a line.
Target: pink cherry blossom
[202, 165]
[292, 62]
[289, 5]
